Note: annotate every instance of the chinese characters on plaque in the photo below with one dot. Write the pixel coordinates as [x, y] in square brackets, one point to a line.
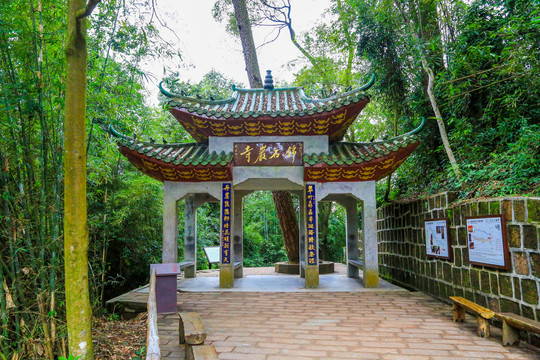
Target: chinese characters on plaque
[226, 223]
[437, 239]
[268, 154]
[311, 224]
[486, 241]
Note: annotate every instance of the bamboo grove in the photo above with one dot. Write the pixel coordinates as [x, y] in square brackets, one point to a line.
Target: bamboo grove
[484, 59]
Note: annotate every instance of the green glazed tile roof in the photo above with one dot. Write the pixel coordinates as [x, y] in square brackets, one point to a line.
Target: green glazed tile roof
[185, 154]
[346, 153]
[252, 103]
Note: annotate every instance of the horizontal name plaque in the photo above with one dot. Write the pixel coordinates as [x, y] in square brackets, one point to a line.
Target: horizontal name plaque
[268, 154]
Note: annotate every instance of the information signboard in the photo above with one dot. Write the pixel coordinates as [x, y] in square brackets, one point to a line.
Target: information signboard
[486, 241]
[437, 238]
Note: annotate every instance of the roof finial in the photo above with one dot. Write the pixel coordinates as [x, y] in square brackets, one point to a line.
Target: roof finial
[268, 81]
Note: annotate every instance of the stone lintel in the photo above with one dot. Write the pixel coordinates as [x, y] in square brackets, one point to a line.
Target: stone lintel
[268, 177]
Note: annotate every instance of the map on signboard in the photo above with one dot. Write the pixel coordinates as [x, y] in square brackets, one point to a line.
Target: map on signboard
[437, 244]
[486, 242]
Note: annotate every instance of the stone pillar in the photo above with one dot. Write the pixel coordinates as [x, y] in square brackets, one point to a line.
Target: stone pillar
[190, 236]
[312, 243]
[170, 228]
[369, 238]
[238, 232]
[302, 235]
[352, 235]
[226, 265]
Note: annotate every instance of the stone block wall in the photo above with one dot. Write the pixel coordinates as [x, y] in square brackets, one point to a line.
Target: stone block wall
[403, 261]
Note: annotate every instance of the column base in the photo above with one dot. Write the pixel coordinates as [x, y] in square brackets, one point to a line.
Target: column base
[312, 277]
[371, 278]
[226, 276]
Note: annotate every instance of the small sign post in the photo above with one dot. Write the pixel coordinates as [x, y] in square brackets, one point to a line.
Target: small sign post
[166, 285]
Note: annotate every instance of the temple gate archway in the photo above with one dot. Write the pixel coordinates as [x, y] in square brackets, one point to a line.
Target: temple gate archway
[270, 139]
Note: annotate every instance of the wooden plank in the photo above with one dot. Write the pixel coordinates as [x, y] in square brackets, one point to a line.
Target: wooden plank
[203, 352]
[473, 307]
[152, 339]
[520, 322]
[191, 329]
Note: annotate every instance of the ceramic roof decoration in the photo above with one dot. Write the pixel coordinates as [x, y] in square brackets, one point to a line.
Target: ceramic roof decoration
[188, 162]
[192, 162]
[361, 161]
[268, 112]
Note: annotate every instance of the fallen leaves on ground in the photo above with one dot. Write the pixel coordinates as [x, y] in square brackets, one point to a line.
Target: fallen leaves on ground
[119, 339]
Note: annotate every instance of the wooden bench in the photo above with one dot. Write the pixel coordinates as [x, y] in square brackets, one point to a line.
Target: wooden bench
[358, 263]
[191, 332]
[203, 352]
[185, 264]
[191, 329]
[484, 314]
[512, 323]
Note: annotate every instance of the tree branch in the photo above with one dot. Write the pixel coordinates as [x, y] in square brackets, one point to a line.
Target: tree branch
[90, 6]
[485, 86]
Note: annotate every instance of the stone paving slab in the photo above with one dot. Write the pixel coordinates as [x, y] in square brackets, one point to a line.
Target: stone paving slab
[387, 325]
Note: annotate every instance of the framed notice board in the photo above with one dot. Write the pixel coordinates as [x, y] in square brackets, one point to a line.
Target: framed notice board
[486, 241]
[437, 238]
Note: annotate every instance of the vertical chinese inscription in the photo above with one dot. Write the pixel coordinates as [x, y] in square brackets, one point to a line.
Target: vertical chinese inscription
[226, 223]
[311, 224]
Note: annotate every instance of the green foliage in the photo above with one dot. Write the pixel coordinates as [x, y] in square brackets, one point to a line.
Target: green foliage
[213, 85]
[70, 357]
[263, 243]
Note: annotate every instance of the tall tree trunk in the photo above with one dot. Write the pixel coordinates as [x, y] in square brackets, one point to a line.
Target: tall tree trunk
[288, 223]
[282, 199]
[429, 91]
[248, 44]
[78, 310]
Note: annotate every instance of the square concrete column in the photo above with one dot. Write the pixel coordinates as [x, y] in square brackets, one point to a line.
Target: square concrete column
[350, 205]
[238, 232]
[190, 236]
[226, 265]
[312, 243]
[170, 229]
[369, 238]
[302, 235]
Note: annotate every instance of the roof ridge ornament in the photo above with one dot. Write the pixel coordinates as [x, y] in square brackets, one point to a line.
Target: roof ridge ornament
[268, 81]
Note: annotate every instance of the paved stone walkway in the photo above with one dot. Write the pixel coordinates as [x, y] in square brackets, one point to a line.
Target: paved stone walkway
[371, 325]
